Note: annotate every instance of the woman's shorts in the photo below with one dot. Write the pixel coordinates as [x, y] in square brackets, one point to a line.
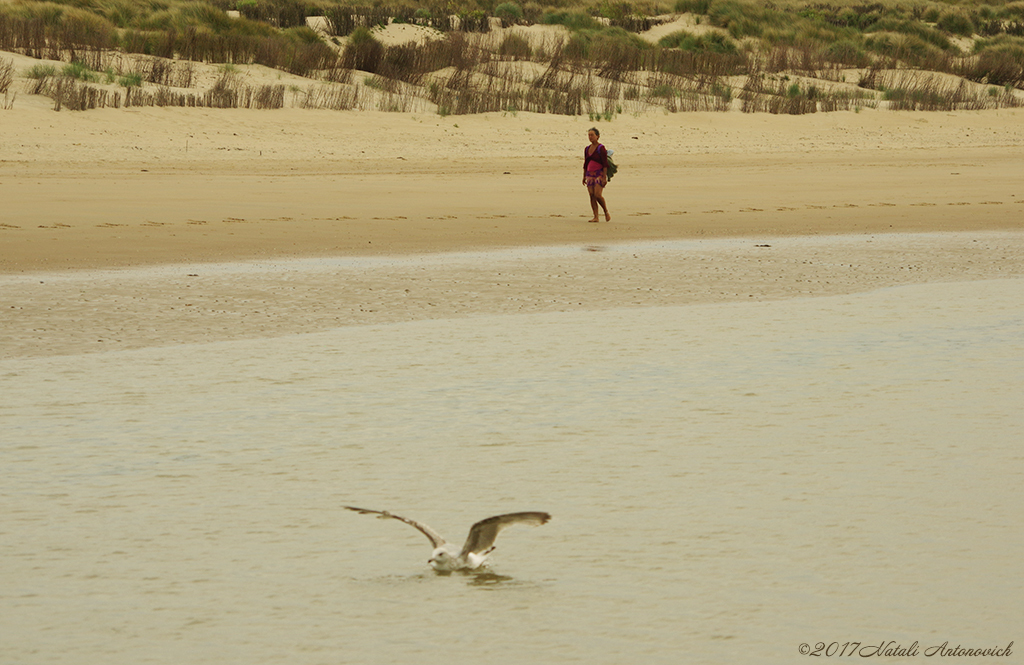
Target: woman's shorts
[594, 180]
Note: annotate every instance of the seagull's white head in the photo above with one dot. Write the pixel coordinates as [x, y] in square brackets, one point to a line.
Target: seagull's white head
[443, 560]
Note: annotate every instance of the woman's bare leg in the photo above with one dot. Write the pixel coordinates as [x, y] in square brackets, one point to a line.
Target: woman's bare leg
[593, 203]
[597, 197]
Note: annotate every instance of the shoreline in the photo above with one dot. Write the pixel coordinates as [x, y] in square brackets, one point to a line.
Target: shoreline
[916, 197]
[74, 312]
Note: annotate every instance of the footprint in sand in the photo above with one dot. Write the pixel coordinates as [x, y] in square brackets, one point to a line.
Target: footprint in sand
[959, 203]
[710, 212]
[639, 214]
[752, 210]
[991, 203]
[881, 205]
[677, 212]
[197, 222]
[9, 226]
[55, 226]
[109, 225]
[785, 209]
[232, 220]
[846, 205]
[152, 223]
[812, 207]
[922, 205]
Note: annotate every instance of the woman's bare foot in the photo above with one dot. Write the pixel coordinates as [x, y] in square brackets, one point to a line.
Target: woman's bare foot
[607, 217]
[592, 220]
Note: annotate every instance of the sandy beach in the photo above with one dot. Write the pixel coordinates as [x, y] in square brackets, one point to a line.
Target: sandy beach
[120, 188]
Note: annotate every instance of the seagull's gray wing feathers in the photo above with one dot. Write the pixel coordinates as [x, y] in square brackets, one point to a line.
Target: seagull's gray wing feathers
[482, 534]
[435, 539]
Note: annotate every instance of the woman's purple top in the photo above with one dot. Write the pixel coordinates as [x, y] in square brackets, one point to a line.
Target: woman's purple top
[597, 161]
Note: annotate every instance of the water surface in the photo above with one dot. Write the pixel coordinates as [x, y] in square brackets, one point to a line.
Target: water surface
[727, 481]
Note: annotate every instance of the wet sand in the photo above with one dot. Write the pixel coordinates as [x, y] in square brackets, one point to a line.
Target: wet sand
[70, 312]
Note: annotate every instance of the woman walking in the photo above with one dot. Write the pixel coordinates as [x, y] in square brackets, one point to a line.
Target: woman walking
[595, 173]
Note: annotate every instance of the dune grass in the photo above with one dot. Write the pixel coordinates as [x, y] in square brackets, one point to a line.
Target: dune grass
[600, 66]
[6, 75]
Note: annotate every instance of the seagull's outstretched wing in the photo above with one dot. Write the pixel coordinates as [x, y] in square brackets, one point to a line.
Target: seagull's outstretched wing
[435, 539]
[482, 534]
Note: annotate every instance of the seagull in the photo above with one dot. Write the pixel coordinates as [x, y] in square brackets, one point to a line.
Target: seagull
[480, 542]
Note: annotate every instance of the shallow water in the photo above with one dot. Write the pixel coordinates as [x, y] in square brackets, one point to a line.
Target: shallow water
[727, 481]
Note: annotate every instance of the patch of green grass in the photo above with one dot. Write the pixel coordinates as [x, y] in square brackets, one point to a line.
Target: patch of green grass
[514, 46]
[747, 19]
[848, 52]
[999, 43]
[907, 49]
[913, 28]
[607, 44]
[957, 23]
[1000, 61]
[133, 80]
[692, 6]
[722, 91]
[665, 90]
[509, 11]
[712, 42]
[572, 20]
[40, 71]
[77, 70]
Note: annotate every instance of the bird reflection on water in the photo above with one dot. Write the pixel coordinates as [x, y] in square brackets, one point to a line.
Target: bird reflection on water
[488, 579]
